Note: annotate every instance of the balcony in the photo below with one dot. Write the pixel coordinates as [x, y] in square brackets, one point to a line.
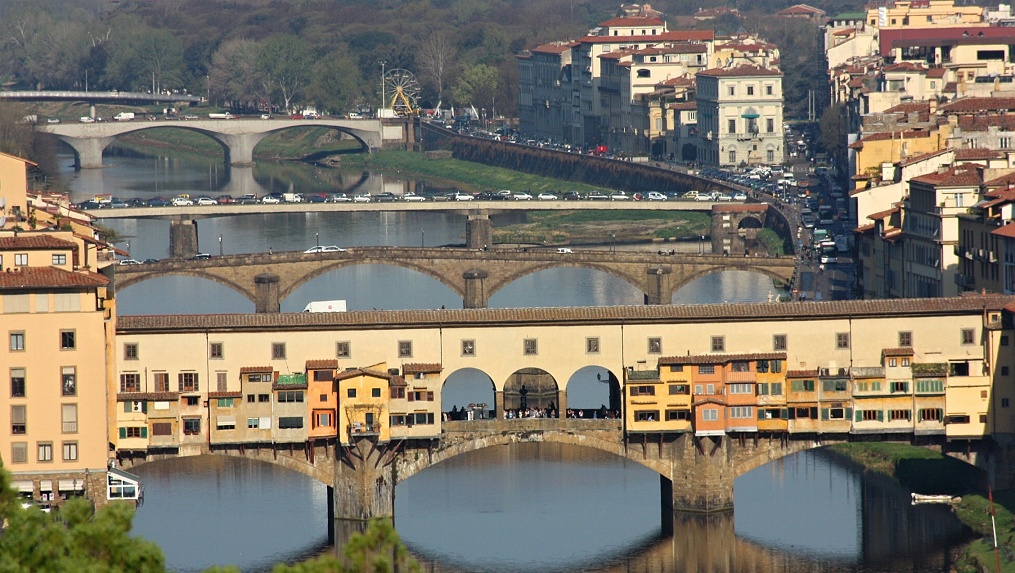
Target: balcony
[965, 281]
[361, 429]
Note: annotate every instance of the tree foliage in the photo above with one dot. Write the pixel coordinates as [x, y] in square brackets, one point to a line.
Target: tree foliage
[284, 66]
[377, 550]
[477, 85]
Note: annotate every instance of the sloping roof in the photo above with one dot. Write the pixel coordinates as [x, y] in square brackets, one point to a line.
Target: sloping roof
[973, 153]
[421, 367]
[1008, 231]
[902, 351]
[684, 105]
[323, 364]
[941, 36]
[49, 277]
[32, 241]
[256, 369]
[554, 48]
[741, 70]
[975, 104]
[957, 176]
[886, 135]
[801, 10]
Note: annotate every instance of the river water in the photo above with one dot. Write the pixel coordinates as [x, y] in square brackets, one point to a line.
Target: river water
[531, 507]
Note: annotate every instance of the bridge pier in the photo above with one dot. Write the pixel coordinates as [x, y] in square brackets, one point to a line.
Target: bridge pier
[701, 475]
[88, 150]
[240, 148]
[478, 231]
[266, 293]
[365, 481]
[658, 291]
[182, 239]
[475, 289]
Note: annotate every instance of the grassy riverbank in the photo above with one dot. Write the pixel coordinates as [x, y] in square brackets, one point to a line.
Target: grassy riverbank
[929, 472]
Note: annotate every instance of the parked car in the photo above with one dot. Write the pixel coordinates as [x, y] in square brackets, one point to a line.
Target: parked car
[362, 198]
[206, 201]
[463, 197]
[739, 196]
[655, 196]
[702, 197]
[413, 197]
[149, 261]
[385, 197]
[597, 196]
[225, 199]
[201, 257]
[340, 198]
[317, 198]
[547, 197]
[619, 196]
[136, 202]
[182, 202]
[692, 194]
[271, 199]
[158, 202]
[248, 199]
[87, 119]
[129, 262]
[522, 196]
[325, 249]
[572, 196]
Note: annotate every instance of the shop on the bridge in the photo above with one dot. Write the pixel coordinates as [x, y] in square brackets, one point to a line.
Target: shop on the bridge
[121, 485]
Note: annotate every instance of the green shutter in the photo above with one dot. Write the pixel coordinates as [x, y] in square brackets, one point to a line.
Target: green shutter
[127, 409]
[881, 415]
[791, 413]
[919, 415]
[940, 415]
[144, 431]
[123, 433]
[859, 416]
[784, 413]
[849, 413]
[824, 413]
[814, 413]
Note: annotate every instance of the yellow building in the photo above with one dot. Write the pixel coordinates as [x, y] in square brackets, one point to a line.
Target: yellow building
[415, 404]
[924, 14]
[363, 404]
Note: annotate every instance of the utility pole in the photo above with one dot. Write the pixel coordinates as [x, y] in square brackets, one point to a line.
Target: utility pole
[384, 96]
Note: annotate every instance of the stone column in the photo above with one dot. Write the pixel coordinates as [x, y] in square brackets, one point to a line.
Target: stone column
[182, 239]
[498, 404]
[701, 475]
[240, 147]
[89, 150]
[658, 283]
[364, 481]
[475, 288]
[478, 231]
[266, 293]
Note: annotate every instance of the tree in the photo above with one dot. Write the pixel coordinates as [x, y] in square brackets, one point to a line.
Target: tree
[337, 82]
[832, 127]
[436, 56]
[377, 550]
[476, 85]
[233, 75]
[284, 65]
[141, 56]
[73, 538]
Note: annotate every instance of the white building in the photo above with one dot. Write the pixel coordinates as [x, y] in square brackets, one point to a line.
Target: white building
[740, 116]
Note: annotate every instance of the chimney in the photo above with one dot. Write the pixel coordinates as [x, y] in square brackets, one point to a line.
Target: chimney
[933, 105]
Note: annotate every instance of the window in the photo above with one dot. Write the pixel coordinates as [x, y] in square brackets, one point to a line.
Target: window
[21, 260]
[655, 345]
[290, 396]
[929, 386]
[263, 398]
[191, 400]
[731, 126]
[19, 419]
[278, 350]
[768, 90]
[68, 379]
[162, 429]
[468, 348]
[130, 381]
[162, 382]
[893, 362]
[895, 415]
[226, 402]
[421, 396]
[741, 388]
[17, 382]
[905, 339]
[677, 415]
[19, 452]
[405, 349]
[905, 362]
[706, 369]
[1004, 371]
[779, 342]
[130, 351]
[769, 125]
[679, 389]
[351, 393]
[718, 344]
[643, 390]
[215, 350]
[70, 451]
[1005, 403]
[731, 90]
[740, 366]
[342, 350]
[742, 412]
[967, 336]
[60, 260]
[252, 423]
[189, 382]
[710, 414]
[930, 415]
[770, 389]
[17, 341]
[842, 340]
[251, 398]
[398, 392]
[67, 340]
[222, 381]
[530, 347]
[676, 368]
[45, 451]
[68, 415]
[375, 392]
[733, 156]
[191, 426]
[290, 422]
[592, 346]
[750, 90]
[802, 385]
[646, 415]
[228, 423]
[838, 385]
[897, 387]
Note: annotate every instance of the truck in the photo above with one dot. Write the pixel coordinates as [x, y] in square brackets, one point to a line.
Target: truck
[124, 116]
[225, 115]
[292, 197]
[326, 306]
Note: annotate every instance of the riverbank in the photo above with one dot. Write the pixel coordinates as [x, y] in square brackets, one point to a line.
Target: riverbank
[928, 472]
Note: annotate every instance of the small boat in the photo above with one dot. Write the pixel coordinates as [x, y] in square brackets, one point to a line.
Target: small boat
[920, 498]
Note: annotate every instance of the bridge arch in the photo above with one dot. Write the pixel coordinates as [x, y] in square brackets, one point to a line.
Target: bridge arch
[635, 281]
[318, 466]
[411, 265]
[128, 281]
[690, 278]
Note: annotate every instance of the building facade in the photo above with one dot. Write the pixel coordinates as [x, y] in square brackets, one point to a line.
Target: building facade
[740, 116]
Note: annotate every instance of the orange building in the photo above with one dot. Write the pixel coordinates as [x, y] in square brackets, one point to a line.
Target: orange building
[322, 399]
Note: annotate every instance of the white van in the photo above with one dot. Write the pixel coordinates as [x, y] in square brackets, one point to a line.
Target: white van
[326, 306]
[564, 251]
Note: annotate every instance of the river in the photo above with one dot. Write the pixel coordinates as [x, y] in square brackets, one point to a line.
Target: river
[532, 507]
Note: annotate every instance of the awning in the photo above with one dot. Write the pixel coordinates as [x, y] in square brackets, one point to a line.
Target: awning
[226, 420]
[23, 486]
[749, 115]
[72, 485]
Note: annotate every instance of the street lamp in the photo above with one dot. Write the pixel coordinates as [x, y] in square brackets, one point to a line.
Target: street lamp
[384, 96]
[317, 238]
[422, 238]
[128, 249]
[220, 245]
[701, 246]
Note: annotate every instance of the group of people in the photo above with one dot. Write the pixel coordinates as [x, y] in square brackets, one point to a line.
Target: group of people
[602, 413]
[548, 412]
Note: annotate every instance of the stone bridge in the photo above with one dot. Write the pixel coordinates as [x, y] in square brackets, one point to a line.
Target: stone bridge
[475, 274]
[696, 473]
[237, 137]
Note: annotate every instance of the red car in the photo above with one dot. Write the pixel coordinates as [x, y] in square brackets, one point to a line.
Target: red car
[225, 199]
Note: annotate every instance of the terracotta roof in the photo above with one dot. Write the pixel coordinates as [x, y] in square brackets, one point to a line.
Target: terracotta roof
[674, 48]
[909, 107]
[973, 153]
[679, 81]
[322, 364]
[936, 73]
[720, 358]
[741, 70]
[684, 105]
[49, 277]
[958, 176]
[1004, 180]
[606, 315]
[923, 156]
[29, 241]
[844, 32]
[715, 12]
[801, 373]
[397, 381]
[904, 67]
[887, 135]
[974, 104]
[864, 228]
[883, 214]
[227, 394]
[357, 372]
[1008, 231]
[903, 351]
[138, 396]
[554, 48]
[941, 36]
[801, 10]
[256, 369]
[421, 367]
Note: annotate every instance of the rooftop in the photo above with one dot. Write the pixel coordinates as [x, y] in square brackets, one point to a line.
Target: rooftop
[25, 278]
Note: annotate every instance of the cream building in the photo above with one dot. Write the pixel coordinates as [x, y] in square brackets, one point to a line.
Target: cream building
[740, 116]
